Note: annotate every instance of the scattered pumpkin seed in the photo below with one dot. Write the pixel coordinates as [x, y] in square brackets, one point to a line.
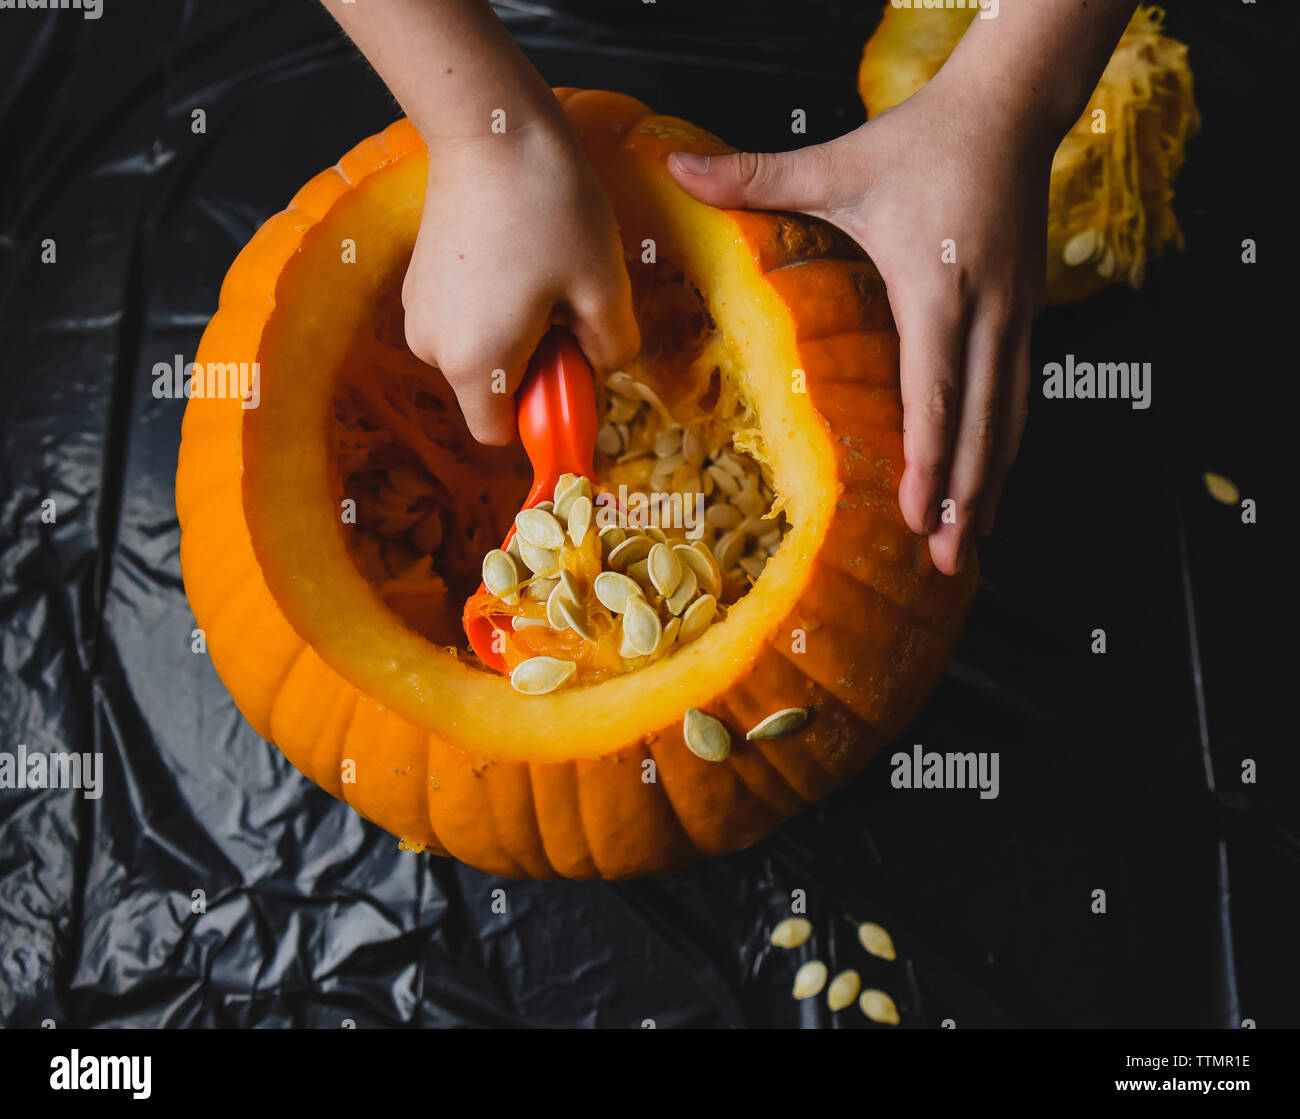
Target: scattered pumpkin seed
[706, 737]
[655, 533]
[519, 622]
[539, 675]
[791, 933]
[668, 636]
[539, 528]
[697, 619]
[728, 549]
[876, 940]
[1222, 489]
[809, 980]
[575, 617]
[500, 576]
[608, 440]
[539, 590]
[665, 569]
[641, 626]
[614, 590]
[879, 1007]
[1081, 247]
[640, 571]
[632, 549]
[554, 618]
[540, 561]
[779, 723]
[686, 588]
[843, 990]
[580, 514]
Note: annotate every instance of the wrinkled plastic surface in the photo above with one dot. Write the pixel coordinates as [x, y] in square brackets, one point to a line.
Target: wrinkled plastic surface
[309, 916]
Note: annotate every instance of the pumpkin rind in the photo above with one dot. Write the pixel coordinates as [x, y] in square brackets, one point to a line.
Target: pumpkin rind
[882, 620]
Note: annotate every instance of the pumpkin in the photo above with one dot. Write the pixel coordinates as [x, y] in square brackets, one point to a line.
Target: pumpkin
[339, 637]
[1110, 206]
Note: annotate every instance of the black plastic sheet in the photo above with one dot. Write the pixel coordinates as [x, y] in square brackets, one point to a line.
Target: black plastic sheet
[211, 885]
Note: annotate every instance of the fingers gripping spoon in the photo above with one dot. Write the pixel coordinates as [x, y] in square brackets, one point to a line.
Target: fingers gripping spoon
[557, 426]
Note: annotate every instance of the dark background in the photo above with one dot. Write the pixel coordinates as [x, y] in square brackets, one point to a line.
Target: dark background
[1119, 772]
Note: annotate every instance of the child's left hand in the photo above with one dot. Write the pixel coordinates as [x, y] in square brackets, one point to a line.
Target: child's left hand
[925, 173]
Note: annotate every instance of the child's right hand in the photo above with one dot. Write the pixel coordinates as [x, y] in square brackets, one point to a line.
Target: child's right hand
[517, 234]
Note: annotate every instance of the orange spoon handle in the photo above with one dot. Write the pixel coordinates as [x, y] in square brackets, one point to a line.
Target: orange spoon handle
[557, 426]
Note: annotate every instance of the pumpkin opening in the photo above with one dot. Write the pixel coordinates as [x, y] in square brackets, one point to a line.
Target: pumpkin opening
[376, 434]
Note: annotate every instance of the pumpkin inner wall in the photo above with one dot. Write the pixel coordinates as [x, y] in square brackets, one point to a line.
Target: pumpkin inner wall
[292, 478]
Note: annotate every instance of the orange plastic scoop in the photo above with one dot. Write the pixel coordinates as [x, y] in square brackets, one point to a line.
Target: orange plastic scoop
[557, 426]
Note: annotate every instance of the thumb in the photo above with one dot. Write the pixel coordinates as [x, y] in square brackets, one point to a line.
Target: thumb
[754, 181]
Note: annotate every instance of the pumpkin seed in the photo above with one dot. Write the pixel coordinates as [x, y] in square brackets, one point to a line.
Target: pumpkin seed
[1081, 247]
[609, 441]
[809, 980]
[640, 571]
[580, 514]
[701, 563]
[706, 737]
[668, 636]
[641, 626]
[665, 569]
[569, 584]
[779, 723]
[539, 675]
[500, 576]
[791, 933]
[843, 990]
[697, 618]
[753, 565]
[695, 448]
[540, 590]
[621, 383]
[517, 623]
[632, 549]
[728, 549]
[879, 1007]
[1106, 265]
[407, 481]
[545, 506]
[427, 534]
[668, 441]
[686, 589]
[876, 940]
[568, 489]
[655, 533]
[627, 650]
[615, 591]
[724, 481]
[556, 620]
[749, 499]
[540, 561]
[1222, 489]
[722, 516]
[611, 536]
[622, 409]
[539, 528]
[575, 617]
[770, 541]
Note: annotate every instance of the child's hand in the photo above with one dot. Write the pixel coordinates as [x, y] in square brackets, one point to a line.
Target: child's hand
[962, 164]
[517, 233]
[927, 176]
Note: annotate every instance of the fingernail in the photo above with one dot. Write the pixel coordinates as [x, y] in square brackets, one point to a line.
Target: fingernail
[691, 163]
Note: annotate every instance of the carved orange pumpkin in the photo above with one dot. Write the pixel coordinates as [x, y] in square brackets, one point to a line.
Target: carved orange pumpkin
[361, 676]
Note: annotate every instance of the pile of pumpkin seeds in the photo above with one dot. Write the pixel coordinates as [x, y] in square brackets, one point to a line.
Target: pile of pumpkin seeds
[660, 589]
[659, 593]
[811, 978]
[740, 528]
